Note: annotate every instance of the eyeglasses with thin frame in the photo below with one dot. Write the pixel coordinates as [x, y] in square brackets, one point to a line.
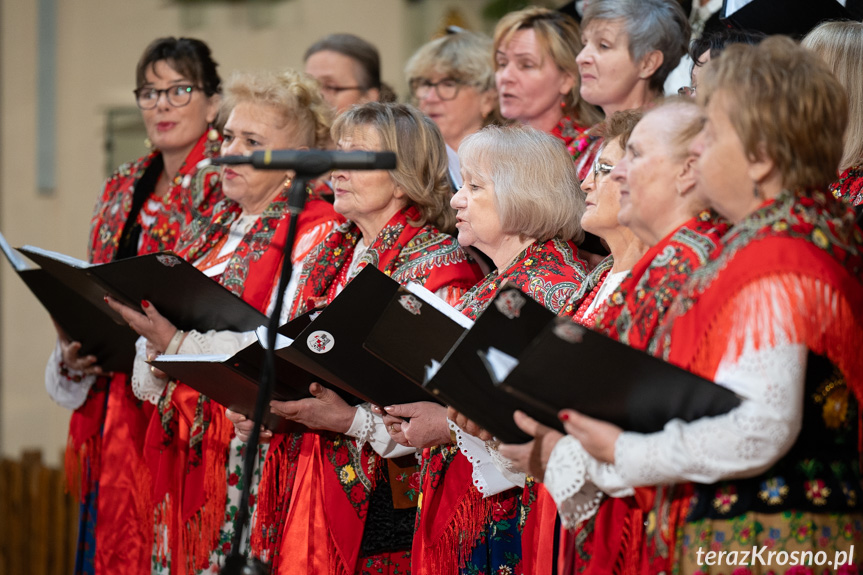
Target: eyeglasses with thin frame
[601, 169]
[178, 96]
[446, 89]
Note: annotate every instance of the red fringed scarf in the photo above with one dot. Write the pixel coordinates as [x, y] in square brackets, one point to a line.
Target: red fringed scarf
[453, 512]
[807, 243]
[327, 496]
[105, 443]
[584, 296]
[188, 440]
[614, 541]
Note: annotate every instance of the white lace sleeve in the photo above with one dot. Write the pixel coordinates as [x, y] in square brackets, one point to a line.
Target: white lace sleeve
[492, 473]
[742, 443]
[568, 480]
[147, 387]
[66, 392]
[368, 427]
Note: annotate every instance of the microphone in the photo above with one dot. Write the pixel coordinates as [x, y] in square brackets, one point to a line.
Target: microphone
[311, 161]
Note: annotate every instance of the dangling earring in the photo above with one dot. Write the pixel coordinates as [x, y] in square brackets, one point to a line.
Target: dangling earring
[757, 192]
[288, 182]
[214, 142]
[148, 143]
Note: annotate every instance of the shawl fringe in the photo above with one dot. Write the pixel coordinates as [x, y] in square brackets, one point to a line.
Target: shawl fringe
[272, 501]
[831, 325]
[453, 549]
[201, 530]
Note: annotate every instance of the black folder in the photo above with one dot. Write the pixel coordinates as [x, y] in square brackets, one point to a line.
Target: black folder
[112, 343]
[564, 365]
[332, 346]
[233, 381]
[180, 292]
[570, 366]
[509, 324]
[411, 333]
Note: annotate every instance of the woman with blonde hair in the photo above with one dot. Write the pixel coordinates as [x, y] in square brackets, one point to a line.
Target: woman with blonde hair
[196, 465]
[840, 45]
[328, 502]
[537, 80]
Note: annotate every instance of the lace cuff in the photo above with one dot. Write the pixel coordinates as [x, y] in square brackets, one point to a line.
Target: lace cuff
[145, 385]
[492, 473]
[567, 480]
[67, 387]
[368, 427]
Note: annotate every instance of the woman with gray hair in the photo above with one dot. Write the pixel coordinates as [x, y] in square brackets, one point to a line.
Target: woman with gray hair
[630, 47]
[521, 205]
[452, 81]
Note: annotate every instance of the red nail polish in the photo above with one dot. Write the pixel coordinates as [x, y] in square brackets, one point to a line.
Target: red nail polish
[564, 417]
[145, 304]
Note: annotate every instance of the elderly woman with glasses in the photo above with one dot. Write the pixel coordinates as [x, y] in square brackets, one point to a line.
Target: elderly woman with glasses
[348, 69]
[452, 81]
[141, 210]
[600, 218]
[662, 207]
[774, 315]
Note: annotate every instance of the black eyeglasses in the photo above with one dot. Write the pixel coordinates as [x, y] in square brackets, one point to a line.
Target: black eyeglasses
[601, 169]
[178, 96]
[446, 89]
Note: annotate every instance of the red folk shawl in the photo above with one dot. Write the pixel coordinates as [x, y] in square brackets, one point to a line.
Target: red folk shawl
[614, 541]
[188, 438]
[105, 444]
[849, 186]
[579, 143]
[453, 513]
[807, 243]
[325, 510]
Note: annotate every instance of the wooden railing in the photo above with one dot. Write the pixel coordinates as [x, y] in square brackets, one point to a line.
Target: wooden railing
[38, 520]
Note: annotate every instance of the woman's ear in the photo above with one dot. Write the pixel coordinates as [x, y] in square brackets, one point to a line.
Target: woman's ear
[213, 104]
[686, 177]
[649, 64]
[567, 84]
[761, 169]
[488, 100]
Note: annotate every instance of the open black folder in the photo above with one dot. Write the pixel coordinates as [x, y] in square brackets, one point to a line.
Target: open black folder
[556, 364]
[415, 330]
[111, 342]
[331, 347]
[180, 292]
[509, 324]
[233, 380]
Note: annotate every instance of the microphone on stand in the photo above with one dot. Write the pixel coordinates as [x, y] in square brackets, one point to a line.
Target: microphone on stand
[309, 161]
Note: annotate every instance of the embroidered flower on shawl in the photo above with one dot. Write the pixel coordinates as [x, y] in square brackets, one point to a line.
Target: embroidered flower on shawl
[725, 498]
[773, 491]
[817, 491]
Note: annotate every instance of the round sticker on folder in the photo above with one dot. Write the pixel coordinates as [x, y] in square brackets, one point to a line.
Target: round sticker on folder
[320, 341]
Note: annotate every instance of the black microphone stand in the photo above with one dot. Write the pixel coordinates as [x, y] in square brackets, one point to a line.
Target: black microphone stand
[236, 563]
